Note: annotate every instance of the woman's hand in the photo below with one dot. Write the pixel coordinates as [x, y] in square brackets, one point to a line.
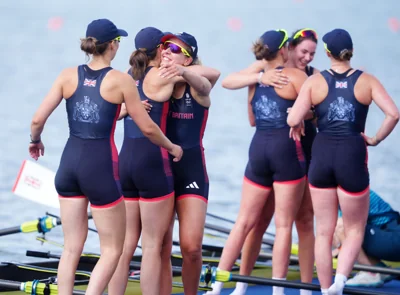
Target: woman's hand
[36, 150]
[274, 78]
[169, 69]
[177, 152]
[370, 141]
[297, 131]
[146, 105]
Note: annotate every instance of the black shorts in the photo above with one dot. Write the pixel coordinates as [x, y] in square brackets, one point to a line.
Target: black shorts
[89, 169]
[274, 157]
[339, 161]
[190, 175]
[145, 171]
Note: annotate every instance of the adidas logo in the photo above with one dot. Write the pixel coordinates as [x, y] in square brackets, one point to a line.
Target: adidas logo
[193, 185]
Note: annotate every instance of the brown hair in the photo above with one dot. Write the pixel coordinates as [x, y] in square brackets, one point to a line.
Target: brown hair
[294, 42]
[89, 46]
[345, 55]
[139, 61]
[196, 61]
[261, 51]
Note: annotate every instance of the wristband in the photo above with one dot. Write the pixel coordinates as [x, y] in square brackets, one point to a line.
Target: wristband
[35, 141]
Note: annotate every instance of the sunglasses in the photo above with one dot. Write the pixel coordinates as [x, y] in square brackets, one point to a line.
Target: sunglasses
[285, 38]
[118, 39]
[326, 48]
[304, 33]
[175, 48]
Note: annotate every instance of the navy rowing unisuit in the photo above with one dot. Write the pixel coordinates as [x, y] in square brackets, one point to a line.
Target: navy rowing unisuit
[339, 152]
[145, 168]
[89, 163]
[273, 156]
[187, 122]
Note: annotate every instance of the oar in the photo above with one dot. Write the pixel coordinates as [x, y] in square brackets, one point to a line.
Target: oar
[376, 269]
[36, 183]
[210, 248]
[81, 277]
[34, 287]
[227, 231]
[294, 249]
[212, 274]
[231, 221]
[93, 258]
[41, 225]
[59, 218]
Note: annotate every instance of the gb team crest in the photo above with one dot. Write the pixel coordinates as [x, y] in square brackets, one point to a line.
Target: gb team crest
[86, 111]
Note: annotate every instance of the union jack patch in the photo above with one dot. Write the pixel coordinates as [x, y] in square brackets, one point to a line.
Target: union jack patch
[89, 83]
[341, 84]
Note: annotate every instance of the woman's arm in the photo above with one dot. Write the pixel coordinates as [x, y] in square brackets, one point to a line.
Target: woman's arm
[179, 73]
[302, 105]
[142, 119]
[49, 104]
[210, 74]
[254, 74]
[46, 108]
[123, 113]
[388, 107]
[250, 112]
[200, 84]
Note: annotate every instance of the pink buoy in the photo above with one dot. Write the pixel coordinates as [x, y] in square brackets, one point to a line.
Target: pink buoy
[235, 24]
[394, 24]
[55, 23]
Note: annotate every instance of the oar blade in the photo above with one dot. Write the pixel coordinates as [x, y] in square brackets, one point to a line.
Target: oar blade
[36, 183]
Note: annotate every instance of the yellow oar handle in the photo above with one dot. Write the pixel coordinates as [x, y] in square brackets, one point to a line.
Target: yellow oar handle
[211, 274]
[41, 225]
[223, 275]
[39, 288]
[295, 251]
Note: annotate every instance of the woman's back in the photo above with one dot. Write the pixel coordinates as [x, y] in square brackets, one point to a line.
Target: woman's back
[270, 105]
[340, 104]
[90, 116]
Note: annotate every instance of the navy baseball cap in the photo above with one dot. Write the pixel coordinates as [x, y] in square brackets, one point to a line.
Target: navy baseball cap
[186, 38]
[338, 40]
[104, 30]
[275, 39]
[148, 38]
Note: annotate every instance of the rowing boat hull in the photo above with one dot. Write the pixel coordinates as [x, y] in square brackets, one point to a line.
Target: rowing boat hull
[29, 272]
[48, 268]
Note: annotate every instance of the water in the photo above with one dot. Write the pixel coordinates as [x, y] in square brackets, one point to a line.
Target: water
[33, 56]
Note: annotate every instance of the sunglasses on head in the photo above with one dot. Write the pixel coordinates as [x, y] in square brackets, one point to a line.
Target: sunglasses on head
[304, 33]
[175, 48]
[285, 38]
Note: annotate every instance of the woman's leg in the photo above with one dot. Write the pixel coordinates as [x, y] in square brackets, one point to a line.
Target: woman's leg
[156, 217]
[118, 283]
[75, 227]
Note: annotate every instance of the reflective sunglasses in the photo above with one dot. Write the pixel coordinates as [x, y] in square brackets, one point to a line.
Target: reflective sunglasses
[304, 33]
[175, 48]
[118, 39]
